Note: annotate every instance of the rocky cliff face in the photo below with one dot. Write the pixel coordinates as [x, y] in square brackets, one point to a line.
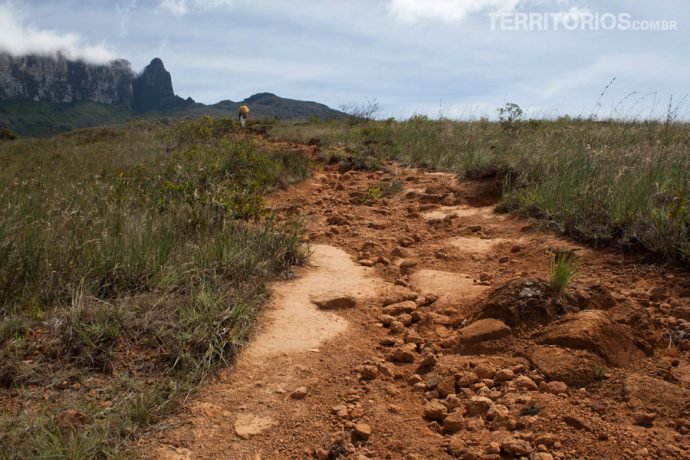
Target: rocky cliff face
[153, 88]
[56, 79]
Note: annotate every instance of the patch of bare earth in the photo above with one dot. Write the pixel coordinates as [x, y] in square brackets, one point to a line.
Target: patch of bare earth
[423, 329]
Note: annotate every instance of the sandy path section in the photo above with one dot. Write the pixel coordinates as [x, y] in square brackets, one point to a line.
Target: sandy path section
[294, 324]
[255, 402]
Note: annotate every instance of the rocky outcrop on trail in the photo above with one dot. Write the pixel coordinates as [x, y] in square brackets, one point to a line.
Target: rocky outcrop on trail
[525, 303]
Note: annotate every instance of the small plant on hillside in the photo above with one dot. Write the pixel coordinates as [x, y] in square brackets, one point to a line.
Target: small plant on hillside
[361, 113]
[509, 115]
[7, 134]
[374, 193]
[562, 270]
[599, 372]
[391, 188]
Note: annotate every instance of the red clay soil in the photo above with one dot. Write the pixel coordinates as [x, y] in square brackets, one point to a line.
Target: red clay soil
[402, 340]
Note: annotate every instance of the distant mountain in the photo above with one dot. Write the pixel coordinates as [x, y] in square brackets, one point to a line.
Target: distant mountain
[42, 95]
[59, 80]
[264, 105]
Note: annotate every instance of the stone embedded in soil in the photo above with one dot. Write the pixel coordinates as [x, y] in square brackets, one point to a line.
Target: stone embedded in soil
[483, 330]
[452, 402]
[576, 422]
[446, 386]
[340, 410]
[524, 302]
[404, 354]
[405, 319]
[407, 266]
[594, 331]
[400, 252]
[397, 327]
[542, 456]
[386, 320]
[574, 367]
[299, 393]
[500, 419]
[504, 375]
[645, 419]
[400, 308]
[337, 220]
[247, 425]
[523, 382]
[435, 410]
[453, 423]
[546, 439]
[369, 372]
[658, 293]
[397, 294]
[516, 447]
[377, 225]
[484, 372]
[477, 405]
[334, 301]
[362, 431]
[427, 364]
[554, 387]
[467, 379]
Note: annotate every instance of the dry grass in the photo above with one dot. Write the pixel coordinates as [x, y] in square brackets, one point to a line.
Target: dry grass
[133, 260]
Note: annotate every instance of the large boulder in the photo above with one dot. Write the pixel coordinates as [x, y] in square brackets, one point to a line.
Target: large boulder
[482, 333]
[594, 331]
[574, 367]
[524, 302]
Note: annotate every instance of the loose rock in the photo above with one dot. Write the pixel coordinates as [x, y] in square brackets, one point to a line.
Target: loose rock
[436, 411]
[362, 431]
[299, 393]
[478, 405]
[334, 301]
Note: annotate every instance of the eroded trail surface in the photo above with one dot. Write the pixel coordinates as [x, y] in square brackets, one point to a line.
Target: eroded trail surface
[422, 329]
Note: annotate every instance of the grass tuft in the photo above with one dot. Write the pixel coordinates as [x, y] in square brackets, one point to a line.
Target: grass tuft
[562, 270]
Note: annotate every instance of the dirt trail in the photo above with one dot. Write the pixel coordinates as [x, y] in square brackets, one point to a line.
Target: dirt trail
[405, 366]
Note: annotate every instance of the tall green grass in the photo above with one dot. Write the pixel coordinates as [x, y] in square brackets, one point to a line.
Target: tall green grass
[140, 250]
[600, 182]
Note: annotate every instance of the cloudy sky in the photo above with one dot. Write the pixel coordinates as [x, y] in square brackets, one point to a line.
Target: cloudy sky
[458, 58]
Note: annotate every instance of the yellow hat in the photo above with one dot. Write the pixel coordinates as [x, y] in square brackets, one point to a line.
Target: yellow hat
[244, 109]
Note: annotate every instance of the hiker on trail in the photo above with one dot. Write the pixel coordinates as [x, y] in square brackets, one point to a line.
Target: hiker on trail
[244, 113]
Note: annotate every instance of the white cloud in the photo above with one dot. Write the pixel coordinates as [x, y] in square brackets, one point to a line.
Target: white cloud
[124, 10]
[175, 7]
[183, 7]
[446, 10]
[19, 37]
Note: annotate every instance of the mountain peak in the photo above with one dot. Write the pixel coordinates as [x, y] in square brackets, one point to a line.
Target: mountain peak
[152, 87]
[259, 96]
